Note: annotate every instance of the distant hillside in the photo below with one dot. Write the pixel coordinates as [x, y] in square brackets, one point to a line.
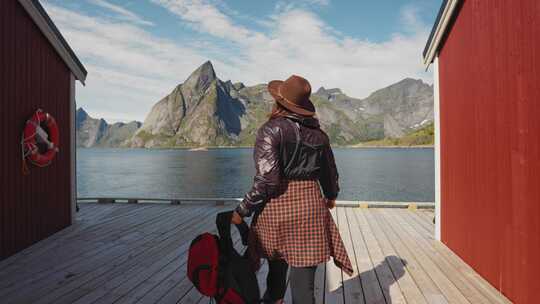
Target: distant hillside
[93, 132]
[422, 137]
[206, 111]
[389, 112]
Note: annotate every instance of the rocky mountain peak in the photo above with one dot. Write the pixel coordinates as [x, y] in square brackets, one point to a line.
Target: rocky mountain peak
[323, 91]
[81, 113]
[201, 78]
[409, 80]
[238, 85]
[329, 94]
[80, 116]
[407, 86]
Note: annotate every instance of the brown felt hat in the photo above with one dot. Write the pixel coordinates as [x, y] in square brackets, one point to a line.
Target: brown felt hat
[293, 94]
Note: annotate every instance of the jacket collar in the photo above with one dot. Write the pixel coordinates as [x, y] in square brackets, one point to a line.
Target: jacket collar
[307, 121]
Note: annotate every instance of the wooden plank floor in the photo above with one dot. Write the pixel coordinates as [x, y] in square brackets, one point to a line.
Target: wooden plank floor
[136, 253]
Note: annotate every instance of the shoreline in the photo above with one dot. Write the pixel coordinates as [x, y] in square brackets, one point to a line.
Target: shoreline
[389, 147]
[205, 148]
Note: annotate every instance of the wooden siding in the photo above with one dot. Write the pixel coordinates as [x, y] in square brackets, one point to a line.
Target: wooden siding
[490, 143]
[32, 76]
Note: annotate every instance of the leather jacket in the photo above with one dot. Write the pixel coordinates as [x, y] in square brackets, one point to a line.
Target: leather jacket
[277, 156]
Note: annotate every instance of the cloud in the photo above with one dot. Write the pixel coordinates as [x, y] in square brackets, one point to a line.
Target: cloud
[127, 76]
[123, 13]
[206, 17]
[283, 6]
[410, 19]
[297, 41]
[319, 2]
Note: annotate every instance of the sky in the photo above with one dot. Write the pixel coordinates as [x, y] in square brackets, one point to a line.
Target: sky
[136, 52]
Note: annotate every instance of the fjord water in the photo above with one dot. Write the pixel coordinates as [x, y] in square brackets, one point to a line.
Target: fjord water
[374, 174]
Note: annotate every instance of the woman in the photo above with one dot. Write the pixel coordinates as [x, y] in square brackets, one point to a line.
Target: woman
[292, 225]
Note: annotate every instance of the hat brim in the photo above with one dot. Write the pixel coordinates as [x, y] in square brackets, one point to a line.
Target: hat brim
[273, 89]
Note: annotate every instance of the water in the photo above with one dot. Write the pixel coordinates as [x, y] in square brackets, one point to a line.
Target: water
[365, 174]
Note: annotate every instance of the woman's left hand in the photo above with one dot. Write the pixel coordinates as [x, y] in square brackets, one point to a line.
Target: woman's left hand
[236, 218]
[330, 204]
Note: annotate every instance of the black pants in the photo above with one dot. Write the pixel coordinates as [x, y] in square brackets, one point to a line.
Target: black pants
[302, 280]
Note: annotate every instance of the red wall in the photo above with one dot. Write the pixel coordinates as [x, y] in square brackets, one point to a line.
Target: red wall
[490, 142]
[32, 76]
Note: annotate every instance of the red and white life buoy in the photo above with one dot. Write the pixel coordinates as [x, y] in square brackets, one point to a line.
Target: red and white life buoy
[40, 139]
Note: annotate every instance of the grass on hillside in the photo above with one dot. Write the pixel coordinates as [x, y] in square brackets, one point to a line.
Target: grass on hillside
[421, 137]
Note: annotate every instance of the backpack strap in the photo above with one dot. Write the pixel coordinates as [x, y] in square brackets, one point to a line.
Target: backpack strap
[223, 223]
[296, 127]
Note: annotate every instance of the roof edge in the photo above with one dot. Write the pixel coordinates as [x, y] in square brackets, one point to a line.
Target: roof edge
[446, 12]
[53, 35]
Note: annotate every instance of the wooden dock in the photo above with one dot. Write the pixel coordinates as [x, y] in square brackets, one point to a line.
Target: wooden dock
[136, 253]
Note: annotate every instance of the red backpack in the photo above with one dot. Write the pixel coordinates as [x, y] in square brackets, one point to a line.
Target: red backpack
[217, 270]
[203, 263]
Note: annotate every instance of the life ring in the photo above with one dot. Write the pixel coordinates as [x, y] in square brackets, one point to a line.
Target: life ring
[40, 139]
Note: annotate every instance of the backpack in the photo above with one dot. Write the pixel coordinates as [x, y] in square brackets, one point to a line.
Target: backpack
[217, 270]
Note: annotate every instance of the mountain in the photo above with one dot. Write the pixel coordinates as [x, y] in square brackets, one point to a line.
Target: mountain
[389, 112]
[201, 111]
[206, 111]
[89, 130]
[404, 106]
[93, 132]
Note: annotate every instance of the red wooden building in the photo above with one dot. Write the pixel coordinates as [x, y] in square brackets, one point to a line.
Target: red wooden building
[486, 60]
[38, 69]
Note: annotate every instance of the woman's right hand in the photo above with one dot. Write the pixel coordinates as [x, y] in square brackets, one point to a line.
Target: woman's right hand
[236, 218]
[330, 204]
